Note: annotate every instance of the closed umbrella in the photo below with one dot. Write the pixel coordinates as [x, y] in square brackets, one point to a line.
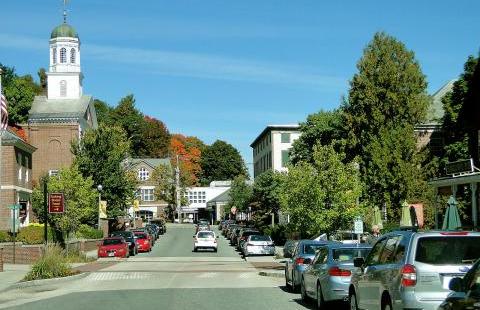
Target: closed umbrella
[377, 218]
[406, 219]
[452, 219]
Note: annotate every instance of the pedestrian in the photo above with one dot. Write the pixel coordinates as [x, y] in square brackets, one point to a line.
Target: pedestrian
[374, 235]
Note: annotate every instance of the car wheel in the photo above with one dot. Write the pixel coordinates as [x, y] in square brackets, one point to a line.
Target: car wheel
[352, 300]
[287, 285]
[215, 250]
[319, 303]
[303, 291]
[294, 286]
[194, 249]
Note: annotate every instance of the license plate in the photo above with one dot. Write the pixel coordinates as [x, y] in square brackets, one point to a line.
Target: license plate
[111, 254]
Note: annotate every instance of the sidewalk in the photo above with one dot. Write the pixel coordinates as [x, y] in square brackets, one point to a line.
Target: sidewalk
[12, 274]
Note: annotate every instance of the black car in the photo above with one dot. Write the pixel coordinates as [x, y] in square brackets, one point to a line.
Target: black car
[154, 228]
[466, 291]
[129, 238]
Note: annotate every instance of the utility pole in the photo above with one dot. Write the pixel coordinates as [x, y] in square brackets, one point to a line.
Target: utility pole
[177, 190]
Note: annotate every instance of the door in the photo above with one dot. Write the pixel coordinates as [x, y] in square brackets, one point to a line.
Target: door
[366, 288]
[318, 268]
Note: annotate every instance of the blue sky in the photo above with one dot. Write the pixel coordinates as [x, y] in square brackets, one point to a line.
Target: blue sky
[221, 69]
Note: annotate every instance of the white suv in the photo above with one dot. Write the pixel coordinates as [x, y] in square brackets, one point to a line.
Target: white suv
[205, 239]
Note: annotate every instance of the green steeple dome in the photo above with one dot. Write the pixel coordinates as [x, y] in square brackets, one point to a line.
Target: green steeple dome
[64, 30]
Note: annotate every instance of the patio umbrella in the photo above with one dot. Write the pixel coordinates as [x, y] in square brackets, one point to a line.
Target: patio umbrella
[377, 218]
[452, 219]
[406, 219]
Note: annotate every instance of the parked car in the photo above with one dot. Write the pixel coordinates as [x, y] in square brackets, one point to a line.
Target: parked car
[327, 278]
[412, 270]
[202, 227]
[113, 247]
[288, 248]
[149, 233]
[129, 238]
[465, 292]
[242, 238]
[143, 241]
[205, 240]
[153, 229]
[234, 234]
[258, 245]
[294, 266]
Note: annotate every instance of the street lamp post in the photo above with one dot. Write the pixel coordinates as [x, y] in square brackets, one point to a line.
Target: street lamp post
[99, 188]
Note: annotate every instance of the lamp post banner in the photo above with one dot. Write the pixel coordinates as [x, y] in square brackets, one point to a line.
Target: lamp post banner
[102, 209]
[56, 203]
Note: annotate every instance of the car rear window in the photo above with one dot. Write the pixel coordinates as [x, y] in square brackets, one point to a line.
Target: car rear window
[311, 248]
[260, 238]
[204, 234]
[141, 236]
[348, 254]
[443, 250]
[249, 233]
[112, 241]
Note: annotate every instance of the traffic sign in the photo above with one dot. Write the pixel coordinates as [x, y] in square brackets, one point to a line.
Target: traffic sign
[358, 226]
[56, 203]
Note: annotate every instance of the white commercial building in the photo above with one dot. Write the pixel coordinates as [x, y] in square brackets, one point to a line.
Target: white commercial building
[271, 148]
[199, 196]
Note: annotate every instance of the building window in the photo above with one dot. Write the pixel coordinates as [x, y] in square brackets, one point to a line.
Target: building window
[147, 194]
[63, 88]
[72, 56]
[54, 56]
[143, 174]
[52, 173]
[26, 176]
[285, 137]
[63, 55]
[20, 173]
[285, 158]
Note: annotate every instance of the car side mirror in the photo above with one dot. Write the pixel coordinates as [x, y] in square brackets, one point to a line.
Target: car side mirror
[307, 261]
[456, 284]
[358, 261]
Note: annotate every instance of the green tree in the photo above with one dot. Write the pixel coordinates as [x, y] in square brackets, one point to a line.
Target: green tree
[103, 111]
[240, 193]
[387, 98]
[221, 161]
[156, 138]
[101, 154]
[163, 177]
[324, 127]
[266, 197]
[80, 200]
[42, 76]
[321, 197]
[20, 92]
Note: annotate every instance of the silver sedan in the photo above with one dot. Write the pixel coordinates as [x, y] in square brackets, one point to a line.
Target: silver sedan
[258, 245]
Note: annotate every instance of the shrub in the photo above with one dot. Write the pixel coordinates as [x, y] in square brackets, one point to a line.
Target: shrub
[88, 232]
[277, 233]
[33, 234]
[4, 236]
[52, 264]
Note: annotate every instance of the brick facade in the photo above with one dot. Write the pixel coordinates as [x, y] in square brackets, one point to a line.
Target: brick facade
[53, 142]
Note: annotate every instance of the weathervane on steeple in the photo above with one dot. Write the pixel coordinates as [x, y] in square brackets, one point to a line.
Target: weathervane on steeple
[65, 11]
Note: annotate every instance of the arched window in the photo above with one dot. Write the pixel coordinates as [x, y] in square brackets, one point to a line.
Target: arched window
[63, 55]
[63, 88]
[143, 174]
[54, 56]
[72, 56]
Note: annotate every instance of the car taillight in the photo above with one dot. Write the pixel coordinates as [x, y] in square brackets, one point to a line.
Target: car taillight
[299, 261]
[409, 275]
[337, 272]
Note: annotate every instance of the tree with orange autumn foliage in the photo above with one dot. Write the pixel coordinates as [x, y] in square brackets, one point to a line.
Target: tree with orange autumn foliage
[189, 151]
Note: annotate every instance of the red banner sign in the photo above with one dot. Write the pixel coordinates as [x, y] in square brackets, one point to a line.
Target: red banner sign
[56, 203]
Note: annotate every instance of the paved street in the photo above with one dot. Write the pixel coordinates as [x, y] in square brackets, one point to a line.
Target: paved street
[170, 277]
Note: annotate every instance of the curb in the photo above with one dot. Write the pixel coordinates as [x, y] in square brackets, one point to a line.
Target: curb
[271, 274]
[26, 284]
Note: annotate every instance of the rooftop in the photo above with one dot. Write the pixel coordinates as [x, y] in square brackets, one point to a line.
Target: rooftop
[286, 127]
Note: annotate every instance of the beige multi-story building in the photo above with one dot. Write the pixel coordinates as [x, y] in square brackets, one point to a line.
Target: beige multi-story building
[271, 148]
[16, 180]
[63, 115]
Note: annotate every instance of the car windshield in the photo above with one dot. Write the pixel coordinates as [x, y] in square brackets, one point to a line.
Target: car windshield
[260, 238]
[311, 248]
[348, 254]
[448, 250]
[112, 241]
[206, 234]
[141, 236]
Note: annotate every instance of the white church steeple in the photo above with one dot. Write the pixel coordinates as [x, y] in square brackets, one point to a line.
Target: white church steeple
[64, 77]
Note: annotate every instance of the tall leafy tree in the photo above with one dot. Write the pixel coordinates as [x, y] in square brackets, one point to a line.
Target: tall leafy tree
[266, 197]
[324, 127]
[221, 161]
[387, 98]
[101, 154]
[320, 197]
[156, 138]
[185, 152]
[104, 112]
[240, 193]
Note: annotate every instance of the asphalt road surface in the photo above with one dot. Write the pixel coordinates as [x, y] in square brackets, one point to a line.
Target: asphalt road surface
[172, 276]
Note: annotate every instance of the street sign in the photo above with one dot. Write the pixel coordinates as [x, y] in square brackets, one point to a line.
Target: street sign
[56, 203]
[136, 205]
[358, 226]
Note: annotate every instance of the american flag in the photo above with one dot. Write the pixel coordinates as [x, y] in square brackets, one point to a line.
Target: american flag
[4, 112]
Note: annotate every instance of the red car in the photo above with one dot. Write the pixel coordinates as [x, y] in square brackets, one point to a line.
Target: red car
[143, 242]
[113, 247]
